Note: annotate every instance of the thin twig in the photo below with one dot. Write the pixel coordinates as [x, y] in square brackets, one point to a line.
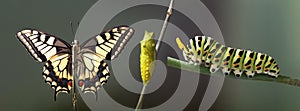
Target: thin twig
[162, 32]
[172, 62]
[138, 106]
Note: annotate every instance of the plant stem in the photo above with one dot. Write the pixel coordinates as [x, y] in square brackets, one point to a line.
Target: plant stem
[139, 105]
[175, 63]
[163, 29]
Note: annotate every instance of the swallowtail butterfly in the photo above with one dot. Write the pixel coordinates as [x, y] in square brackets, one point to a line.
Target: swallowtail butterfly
[92, 71]
[205, 50]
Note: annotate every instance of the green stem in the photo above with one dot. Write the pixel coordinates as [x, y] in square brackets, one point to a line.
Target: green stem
[175, 63]
[139, 105]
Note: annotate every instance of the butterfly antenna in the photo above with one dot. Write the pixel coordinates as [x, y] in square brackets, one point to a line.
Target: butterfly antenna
[71, 24]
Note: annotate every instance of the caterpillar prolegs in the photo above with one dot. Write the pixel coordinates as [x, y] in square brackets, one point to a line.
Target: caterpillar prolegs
[212, 54]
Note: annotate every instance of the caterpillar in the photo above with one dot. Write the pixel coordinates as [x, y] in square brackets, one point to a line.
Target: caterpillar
[207, 51]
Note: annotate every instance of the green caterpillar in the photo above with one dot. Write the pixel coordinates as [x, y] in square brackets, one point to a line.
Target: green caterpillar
[214, 55]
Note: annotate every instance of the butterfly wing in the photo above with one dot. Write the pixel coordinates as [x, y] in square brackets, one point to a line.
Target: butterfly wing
[55, 52]
[105, 46]
[40, 45]
[93, 73]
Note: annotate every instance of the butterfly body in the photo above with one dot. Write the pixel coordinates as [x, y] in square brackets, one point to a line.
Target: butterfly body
[86, 62]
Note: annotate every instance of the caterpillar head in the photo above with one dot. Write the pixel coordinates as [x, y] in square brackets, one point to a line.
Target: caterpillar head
[186, 52]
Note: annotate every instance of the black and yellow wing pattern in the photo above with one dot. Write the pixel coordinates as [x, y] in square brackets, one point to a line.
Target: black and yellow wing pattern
[92, 70]
[54, 52]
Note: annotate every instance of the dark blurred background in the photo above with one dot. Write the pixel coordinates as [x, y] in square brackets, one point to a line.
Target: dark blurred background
[270, 26]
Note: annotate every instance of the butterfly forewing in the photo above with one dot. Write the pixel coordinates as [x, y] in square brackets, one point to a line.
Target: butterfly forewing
[42, 46]
[109, 43]
[56, 54]
[105, 46]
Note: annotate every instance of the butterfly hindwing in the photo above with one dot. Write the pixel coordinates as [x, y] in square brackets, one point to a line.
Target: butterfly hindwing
[56, 54]
[105, 46]
[94, 72]
[57, 73]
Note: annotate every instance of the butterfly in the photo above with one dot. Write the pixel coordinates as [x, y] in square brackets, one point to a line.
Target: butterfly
[87, 60]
